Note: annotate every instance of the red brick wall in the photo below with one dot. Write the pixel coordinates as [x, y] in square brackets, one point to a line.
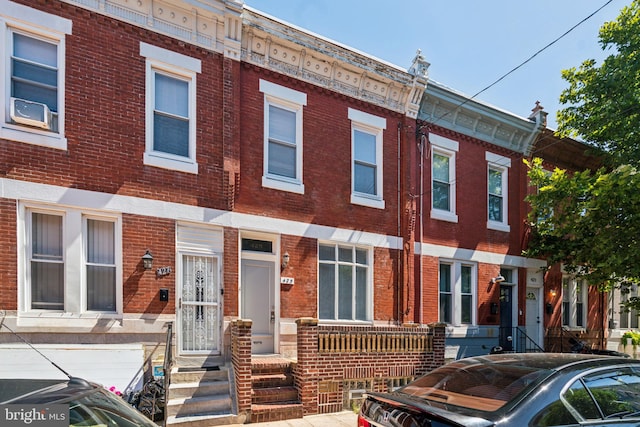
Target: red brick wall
[325, 378]
[8, 255]
[471, 200]
[141, 290]
[105, 117]
[326, 162]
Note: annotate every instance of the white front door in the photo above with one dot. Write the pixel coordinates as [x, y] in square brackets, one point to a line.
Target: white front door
[533, 320]
[199, 305]
[258, 303]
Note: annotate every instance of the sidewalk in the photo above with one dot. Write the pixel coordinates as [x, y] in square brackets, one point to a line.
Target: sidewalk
[337, 419]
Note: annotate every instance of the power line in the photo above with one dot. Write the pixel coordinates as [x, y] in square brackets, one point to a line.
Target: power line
[528, 59]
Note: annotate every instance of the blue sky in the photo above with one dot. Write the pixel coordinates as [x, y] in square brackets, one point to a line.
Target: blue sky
[469, 43]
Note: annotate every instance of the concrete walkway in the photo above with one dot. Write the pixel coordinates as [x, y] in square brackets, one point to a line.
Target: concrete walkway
[338, 419]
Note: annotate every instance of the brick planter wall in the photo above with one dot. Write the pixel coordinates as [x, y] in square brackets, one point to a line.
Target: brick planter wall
[336, 363]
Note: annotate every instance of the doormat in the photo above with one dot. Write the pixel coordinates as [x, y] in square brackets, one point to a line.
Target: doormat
[198, 368]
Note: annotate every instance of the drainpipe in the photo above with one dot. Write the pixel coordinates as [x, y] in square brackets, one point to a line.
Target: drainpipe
[423, 139]
[400, 271]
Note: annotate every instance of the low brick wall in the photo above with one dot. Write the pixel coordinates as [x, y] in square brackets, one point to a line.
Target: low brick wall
[337, 363]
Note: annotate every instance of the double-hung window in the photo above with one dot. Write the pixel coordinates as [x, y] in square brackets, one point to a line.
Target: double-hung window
[282, 162]
[622, 317]
[170, 109]
[34, 69]
[443, 178]
[497, 191]
[574, 302]
[72, 263]
[344, 282]
[366, 155]
[457, 284]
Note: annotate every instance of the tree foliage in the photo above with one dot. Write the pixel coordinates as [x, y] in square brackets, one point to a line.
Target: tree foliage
[603, 102]
[590, 220]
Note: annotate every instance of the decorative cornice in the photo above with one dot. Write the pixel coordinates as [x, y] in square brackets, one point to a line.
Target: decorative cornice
[289, 50]
[212, 24]
[241, 33]
[455, 111]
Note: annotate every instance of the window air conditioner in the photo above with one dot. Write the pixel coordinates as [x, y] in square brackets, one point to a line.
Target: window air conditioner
[30, 113]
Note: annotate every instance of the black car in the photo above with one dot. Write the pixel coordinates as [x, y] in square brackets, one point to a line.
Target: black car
[83, 404]
[526, 389]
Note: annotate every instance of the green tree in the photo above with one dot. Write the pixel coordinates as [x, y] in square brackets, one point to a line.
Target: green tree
[590, 220]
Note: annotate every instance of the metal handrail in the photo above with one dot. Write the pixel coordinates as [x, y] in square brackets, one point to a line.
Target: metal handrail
[166, 367]
[529, 343]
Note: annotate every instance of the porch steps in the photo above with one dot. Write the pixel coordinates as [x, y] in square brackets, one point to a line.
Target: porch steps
[200, 398]
[273, 396]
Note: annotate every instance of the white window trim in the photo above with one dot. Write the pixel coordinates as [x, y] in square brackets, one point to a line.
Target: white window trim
[294, 101]
[456, 291]
[159, 60]
[375, 125]
[448, 148]
[33, 23]
[74, 258]
[370, 287]
[573, 302]
[502, 164]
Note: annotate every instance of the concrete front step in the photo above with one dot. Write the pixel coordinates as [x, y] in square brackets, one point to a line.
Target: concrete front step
[206, 420]
[203, 405]
[197, 375]
[198, 389]
[275, 412]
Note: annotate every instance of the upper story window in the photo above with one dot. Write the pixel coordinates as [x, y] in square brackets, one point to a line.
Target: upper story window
[282, 163]
[623, 318]
[497, 189]
[574, 302]
[366, 155]
[64, 274]
[34, 70]
[170, 109]
[443, 178]
[344, 283]
[457, 284]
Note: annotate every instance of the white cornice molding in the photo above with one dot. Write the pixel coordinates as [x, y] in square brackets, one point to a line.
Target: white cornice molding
[453, 110]
[276, 45]
[242, 33]
[212, 24]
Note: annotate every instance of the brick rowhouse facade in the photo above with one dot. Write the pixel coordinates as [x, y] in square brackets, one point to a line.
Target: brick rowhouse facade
[300, 166]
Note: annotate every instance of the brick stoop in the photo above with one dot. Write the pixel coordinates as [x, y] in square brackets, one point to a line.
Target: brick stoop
[273, 395]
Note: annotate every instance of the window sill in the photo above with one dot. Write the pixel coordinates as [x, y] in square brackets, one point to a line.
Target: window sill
[171, 164]
[444, 215]
[280, 184]
[367, 201]
[498, 226]
[33, 136]
[344, 322]
[68, 320]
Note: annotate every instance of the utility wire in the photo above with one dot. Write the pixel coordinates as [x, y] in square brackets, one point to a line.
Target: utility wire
[527, 60]
[468, 99]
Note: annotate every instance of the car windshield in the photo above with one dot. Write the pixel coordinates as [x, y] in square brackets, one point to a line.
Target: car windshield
[477, 386]
[103, 408]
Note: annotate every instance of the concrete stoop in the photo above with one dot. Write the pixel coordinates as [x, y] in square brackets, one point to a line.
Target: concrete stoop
[200, 397]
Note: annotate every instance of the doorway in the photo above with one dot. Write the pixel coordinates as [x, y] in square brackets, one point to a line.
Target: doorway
[258, 303]
[198, 310]
[533, 318]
